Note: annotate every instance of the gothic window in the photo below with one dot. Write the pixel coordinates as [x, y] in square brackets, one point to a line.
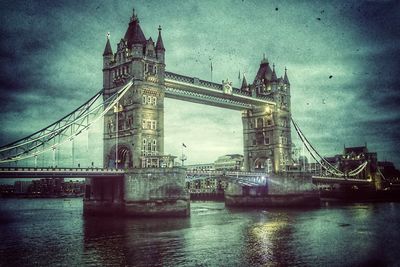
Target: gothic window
[154, 101]
[149, 146]
[144, 99]
[144, 124]
[144, 144]
[130, 121]
[110, 126]
[153, 125]
[266, 138]
[121, 123]
[154, 145]
[260, 123]
[148, 124]
[269, 122]
[155, 69]
[151, 69]
[251, 124]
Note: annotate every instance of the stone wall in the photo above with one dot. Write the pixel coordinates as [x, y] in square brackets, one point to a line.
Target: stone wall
[156, 191]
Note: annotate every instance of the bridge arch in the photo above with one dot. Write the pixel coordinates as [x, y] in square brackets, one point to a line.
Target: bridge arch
[263, 164]
[124, 157]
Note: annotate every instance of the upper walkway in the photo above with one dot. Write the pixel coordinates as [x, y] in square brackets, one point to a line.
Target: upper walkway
[194, 90]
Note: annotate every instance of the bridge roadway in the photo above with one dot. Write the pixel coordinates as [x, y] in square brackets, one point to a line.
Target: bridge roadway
[30, 172]
[194, 90]
[244, 178]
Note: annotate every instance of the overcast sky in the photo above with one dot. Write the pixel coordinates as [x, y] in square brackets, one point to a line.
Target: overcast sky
[51, 61]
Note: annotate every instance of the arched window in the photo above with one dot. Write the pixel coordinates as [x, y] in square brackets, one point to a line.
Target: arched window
[154, 145]
[144, 145]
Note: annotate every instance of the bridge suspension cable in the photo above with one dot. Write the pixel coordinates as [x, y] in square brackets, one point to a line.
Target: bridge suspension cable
[63, 130]
[322, 161]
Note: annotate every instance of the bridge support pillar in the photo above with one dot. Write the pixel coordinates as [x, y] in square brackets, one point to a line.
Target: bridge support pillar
[103, 195]
[156, 192]
[141, 192]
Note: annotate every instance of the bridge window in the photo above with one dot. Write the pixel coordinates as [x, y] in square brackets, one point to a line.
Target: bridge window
[149, 124]
[144, 145]
[130, 121]
[266, 140]
[260, 123]
[121, 125]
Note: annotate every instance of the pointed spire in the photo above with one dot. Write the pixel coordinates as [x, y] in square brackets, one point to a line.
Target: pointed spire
[134, 34]
[264, 60]
[244, 82]
[134, 16]
[107, 49]
[273, 77]
[285, 79]
[160, 44]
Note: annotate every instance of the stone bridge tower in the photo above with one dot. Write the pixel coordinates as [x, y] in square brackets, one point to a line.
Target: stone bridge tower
[266, 130]
[134, 132]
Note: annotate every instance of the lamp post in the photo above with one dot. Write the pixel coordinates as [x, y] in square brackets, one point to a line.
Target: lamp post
[117, 108]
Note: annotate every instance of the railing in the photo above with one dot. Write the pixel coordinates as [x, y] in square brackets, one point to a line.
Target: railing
[51, 169]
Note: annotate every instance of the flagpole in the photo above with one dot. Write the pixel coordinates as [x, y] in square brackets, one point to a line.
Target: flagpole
[211, 71]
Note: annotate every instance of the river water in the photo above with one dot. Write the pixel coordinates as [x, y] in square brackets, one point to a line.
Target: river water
[53, 232]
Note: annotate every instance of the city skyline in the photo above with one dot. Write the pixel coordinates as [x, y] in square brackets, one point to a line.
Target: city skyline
[341, 61]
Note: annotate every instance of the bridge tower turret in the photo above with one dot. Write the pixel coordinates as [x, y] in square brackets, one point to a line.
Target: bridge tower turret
[134, 132]
[107, 59]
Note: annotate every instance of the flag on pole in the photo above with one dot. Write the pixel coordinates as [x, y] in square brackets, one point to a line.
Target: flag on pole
[183, 144]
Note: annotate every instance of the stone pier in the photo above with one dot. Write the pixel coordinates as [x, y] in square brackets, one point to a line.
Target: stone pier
[283, 191]
[140, 192]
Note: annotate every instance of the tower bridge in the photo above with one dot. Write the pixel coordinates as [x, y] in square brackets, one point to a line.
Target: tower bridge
[135, 84]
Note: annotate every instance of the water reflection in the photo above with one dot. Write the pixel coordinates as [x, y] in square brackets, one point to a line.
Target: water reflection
[54, 233]
[270, 241]
[133, 242]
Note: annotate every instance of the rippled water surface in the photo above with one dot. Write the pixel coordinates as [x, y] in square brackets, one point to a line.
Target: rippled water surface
[53, 232]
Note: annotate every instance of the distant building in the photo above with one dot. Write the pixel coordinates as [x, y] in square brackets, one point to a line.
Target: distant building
[200, 167]
[22, 187]
[231, 162]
